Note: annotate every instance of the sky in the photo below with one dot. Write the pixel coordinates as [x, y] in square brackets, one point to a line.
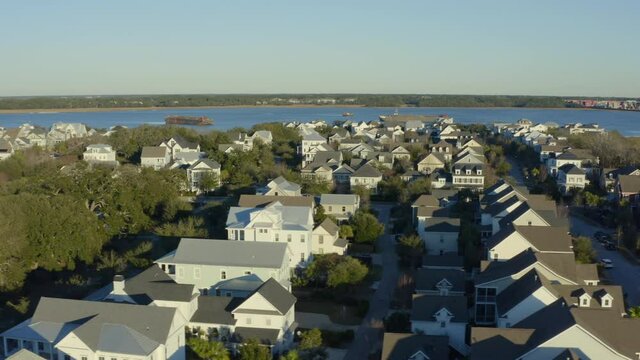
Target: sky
[510, 47]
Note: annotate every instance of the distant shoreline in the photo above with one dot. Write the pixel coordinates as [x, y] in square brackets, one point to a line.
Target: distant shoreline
[115, 109]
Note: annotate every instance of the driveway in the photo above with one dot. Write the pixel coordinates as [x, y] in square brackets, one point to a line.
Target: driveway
[368, 338]
[624, 272]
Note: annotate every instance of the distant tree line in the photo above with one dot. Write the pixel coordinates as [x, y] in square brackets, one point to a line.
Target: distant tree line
[373, 100]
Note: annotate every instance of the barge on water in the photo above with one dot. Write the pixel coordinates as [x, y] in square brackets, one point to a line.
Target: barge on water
[188, 120]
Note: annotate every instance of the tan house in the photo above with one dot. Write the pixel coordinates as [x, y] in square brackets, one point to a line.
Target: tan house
[326, 239]
[341, 206]
[432, 162]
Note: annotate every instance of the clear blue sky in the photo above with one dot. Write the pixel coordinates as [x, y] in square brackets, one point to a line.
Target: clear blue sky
[537, 47]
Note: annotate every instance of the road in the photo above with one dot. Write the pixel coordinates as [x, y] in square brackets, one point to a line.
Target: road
[624, 272]
[368, 337]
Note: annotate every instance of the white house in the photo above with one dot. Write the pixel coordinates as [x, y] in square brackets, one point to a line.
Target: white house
[178, 146]
[292, 225]
[366, 176]
[326, 239]
[441, 315]
[513, 240]
[571, 177]
[79, 329]
[440, 281]
[6, 149]
[311, 139]
[198, 170]
[156, 157]
[341, 206]
[432, 162]
[282, 187]
[468, 172]
[440, 235]
[225, 267]
[99, 153]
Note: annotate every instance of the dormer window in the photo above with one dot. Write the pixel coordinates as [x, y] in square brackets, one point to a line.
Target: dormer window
[457, 171]
[479, 172]
[606, 303]
[585, 300]
[468, 172]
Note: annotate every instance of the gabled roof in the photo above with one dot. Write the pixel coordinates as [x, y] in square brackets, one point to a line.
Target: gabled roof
[339, 199]
[366, 170]
[629, 183]
[571, 169]
[499, 343]
[402, 346]
[344, 169]
[153, 152]
[433, 157]
[285, 184]
[276, 295]
[431, 211]
[497, 207]
[562, 264]
[442, 224]
[329, 226]
[216, 310]
[519, 290]
[542, 238]
[212, 164]
[428, 279]
[184, 143]
[444, 260]
[228, 252]
[154, 284]
[24, 354]
[426, 306]
[250, 201]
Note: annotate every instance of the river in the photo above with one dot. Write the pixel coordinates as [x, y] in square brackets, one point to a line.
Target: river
[626, 122]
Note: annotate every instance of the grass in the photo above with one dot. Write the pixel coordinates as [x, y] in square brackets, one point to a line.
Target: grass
[339, 314]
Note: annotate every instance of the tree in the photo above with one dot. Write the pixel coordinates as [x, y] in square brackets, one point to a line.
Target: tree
[350, 271]
[634, 312]
[397, 322]
[366, 227]
[290, 355]
[411, 248]
[320, 215]
[346, 231]
[503, 168]
[208, 181]
[310, 339]
[208, 350]
[584, 251]
[253, 350]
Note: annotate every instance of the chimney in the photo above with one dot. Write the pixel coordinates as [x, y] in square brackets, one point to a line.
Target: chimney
[118, 285]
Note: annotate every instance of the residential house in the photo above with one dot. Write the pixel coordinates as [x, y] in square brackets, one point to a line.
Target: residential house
[342, 174]
[311, 140]
[571, 177]
[468, 172]
[512, 240]
[292, 225]
[411, 175]
[432, 162]
[80, 329]
[496, 276]
[318, 172]
[366, 176]
[341, 206]
[178, 146]
[628, 187]
[436, 200]
[443, 147]
[251, 201]
[564, 330]
[6, 149]
[225, 267]
[440, 234]
[156, 157]
[326, 239]
[400, 153]
[100, 153]
[440, 179]
[441, 315]
[199, 171]
[608, 177]
[446, 261]
[64, 131]
[440, 282]
[578, 157]
[282, 187]
[407, 346]
[266, 315]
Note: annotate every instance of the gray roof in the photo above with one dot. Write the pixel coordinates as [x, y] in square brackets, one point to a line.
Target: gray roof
[402, 346]
[216, 310]
[519, 290]
[210, 163]
[563, 264]
[452, 260]
[442, 224]
[428, 279]
[329, 226]
[250, 201]
[184, 143]
[426, 306]
[277, 295]
[571, 169]
[366, 170]
[228, 253]
[24, 354]
[286, 184]
[338, 199]
[543, 238]
[153, 152]
[154, 284]
[629, 183]
[105, 326]
[313, 135]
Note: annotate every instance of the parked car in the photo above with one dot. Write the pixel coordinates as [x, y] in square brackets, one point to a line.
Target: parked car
[610, 245]
[598, 235]
[606, 263]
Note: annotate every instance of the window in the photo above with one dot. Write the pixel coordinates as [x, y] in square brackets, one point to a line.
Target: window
[330, 208]
[223, 275]
[85, 358]
[606, 303]
[288, 237]
[248, 321]
[301, 238]
[468, 172]
[457, 171]
[344, 208]
[443, 324]
[441, 239]
[101, 358]
[241, 234]
[41, 347]
[302, 257]
[196, 273]
[321, 239]
[268, 322]
[247, 272]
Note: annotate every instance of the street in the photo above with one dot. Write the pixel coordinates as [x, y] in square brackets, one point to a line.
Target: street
[368, 337]
[624, 272]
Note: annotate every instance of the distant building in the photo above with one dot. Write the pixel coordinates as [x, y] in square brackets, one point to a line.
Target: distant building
[100, 153]
[156, 157]
[199, 170]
